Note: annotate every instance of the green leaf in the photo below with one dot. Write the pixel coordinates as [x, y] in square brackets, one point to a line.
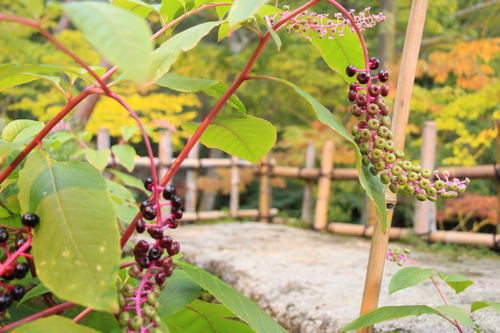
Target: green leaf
[129, 180]
[126, 155]
[242, 10]
[101, 321]
[244, 308]
[456, 281]
[220, 89]
[53, 324]
[98, 158]
[8, 147]
[128, 131]
[387, 313]
[239, 135]
[479, 305]
[372, 184]
[180, 291]
[123, 201]
[408, 277]
[36, 291]
[30, 132]
[457, 313]
[76, 245]
[35, 7]
[9, 211]
[135, 6]
[121, 37]
[201, 316]
[13, 132]
[166, 55]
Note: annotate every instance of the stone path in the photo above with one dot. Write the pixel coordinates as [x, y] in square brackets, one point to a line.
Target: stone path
[311, 282]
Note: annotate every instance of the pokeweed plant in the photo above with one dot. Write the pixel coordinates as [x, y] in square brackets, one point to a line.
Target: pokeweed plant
[411, 276]
[60, 237]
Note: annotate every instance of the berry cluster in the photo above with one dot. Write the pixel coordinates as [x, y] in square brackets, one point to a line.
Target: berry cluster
[306, 23]
[15, 269]
[397, 256]
[375, 143]
[139, 304]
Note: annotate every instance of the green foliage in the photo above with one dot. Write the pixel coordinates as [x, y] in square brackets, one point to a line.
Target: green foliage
[408, 277]
[53, 324]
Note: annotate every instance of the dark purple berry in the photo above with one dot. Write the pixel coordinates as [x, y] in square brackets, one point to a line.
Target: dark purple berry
[141, 247]
[155, 232]
[374, 90]
[21, 270]
[5, 301]
[17, 292]
[354, 86]
[362, 100]
[165, 241]
[169, 192]
[174, 248]
[351, 96]
[383, 75]
[145, 204]
[144, 261]
[351, 70]
[363, 77]
[160, 277]
[4, 235]
[177, 213]
[148, 183]
[355, 110]
[169, 271]
[149, 213]
[384, 90]
[173, 224]
[9, 272]
[155, 253]
[140, 227]
[176, 202]
[373, 63]
[167, 263]
[20, 243]
[30, 220]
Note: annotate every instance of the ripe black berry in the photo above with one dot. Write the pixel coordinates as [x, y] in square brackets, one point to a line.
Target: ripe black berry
[30, 220]
[363, 77]
[384, 90]
[140, 227]
[155, 232]
[174, 248]
[4, 235]
[176, 202]
[354, 86]
[351, 96]
[149, 213]
[165, 241]
[21, 270]
[155, 253]
[148, 183]
[5, 301]
[144, 261]
[17, 292]
[141, 247]
[145, 204]
[174, 224]
[373, 63]
[362, 100]
[160, 277]
[351, 70]
[383, 75]
[20, 243]
[177, 213]
[169, 192]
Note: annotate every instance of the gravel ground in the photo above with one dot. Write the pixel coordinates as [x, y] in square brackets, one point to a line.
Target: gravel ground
[312, 282]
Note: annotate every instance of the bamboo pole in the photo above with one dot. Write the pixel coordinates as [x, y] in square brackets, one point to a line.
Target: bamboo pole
[165, 152]
[425, 211]
[265, 190]
[191, 186]
[217, 214]
[409, 60]
[498, 176]
[324, 184]
[234, 195]
[307, 201]
[103, 141]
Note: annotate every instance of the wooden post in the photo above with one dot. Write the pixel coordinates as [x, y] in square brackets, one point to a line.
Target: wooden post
[378, 246]
[370, 214]
[234, 195]
[191, 179]
[425, 211]
[165, 152]
[307, 201]
[321, 213]
[498, 176]
[103, 141]
[265, 190]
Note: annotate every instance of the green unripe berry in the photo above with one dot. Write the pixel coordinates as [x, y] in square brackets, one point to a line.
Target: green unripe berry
[377, 154]
[432, 198]
[128, 290]
[424, 183]
[408, 190]
[453, 187]
[156, 289]
[135, 270]
[149, 311]
[365, 134]
[445, 195]
[7, 316]
[431, 191]
[357, 139]
[380, 101]
[412, 176]
[453, 195]
[426, 173]
[355, 110]
[365, 147]
[389, 145]
[407, 251]
[379, 165]
[373, 170]
[439, 184]
[397, 251]
[421, 197]
[379, 143]
[400, 263]
[402, 180]
[406, 165]
[121, 300]
[390, 158]
[383, 131]
[386, 121]
[390, 136]
[123, 319]
[354, 129]
[157, 320]
[461, 189]
[393, 188]
[151, 297]
[372, 109]
[373, 124]
[136, 322]
[365, 160]
[385, 179]
[396, 170]
[399, 154]
[416, 168]
[124, 330]
[163, 285]
[445, 174]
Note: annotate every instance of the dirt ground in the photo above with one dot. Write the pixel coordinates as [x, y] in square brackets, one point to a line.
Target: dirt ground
[312, 282]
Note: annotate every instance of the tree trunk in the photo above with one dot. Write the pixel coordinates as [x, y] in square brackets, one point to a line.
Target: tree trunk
[387, 33]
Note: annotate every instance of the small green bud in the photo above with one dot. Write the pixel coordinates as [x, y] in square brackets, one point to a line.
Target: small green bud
[399, 153]
[421, 197]
[373, 124]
